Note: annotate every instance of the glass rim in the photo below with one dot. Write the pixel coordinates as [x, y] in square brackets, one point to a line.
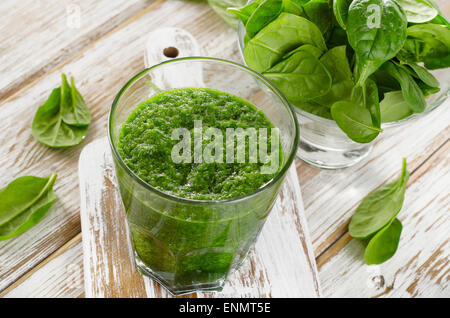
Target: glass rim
[432, 106]
[241, 67]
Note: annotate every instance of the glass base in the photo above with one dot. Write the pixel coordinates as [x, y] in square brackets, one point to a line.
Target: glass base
[325, 157]
[215, 286]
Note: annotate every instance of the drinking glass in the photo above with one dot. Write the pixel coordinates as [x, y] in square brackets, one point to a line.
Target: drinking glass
[192, 245]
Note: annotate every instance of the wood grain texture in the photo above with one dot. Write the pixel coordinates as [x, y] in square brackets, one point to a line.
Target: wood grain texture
[101, 68]
[37, 35]
[278, 266]
[98, 79]
[420, 267]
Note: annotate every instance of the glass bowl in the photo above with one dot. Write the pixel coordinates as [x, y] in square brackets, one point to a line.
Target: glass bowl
[323, 144]
[191, 245]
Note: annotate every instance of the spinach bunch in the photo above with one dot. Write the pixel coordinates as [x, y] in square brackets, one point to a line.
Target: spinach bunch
[23, 203]
[63, 120]
[375, 222]
[352, 61]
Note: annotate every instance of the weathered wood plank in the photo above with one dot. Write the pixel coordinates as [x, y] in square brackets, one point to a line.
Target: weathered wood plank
[421, 266]
[35, 36]
[61, 275]
[101, 71]
[20, 154]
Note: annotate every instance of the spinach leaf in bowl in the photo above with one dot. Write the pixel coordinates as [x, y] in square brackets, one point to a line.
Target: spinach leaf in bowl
[264, 13]
[335, 60]
[411, 91]
[340, 9]
[355, 121]
[300, 77]
[321, 14]
[393, 107]
[376, 30]
[428, 43]
[244, 13]
[418, 11]
[282, 35]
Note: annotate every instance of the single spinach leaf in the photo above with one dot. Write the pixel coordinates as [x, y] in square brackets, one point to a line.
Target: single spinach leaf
[300, 77]
[307, 47]
[23, 203]
[294, 7]
[393, 107]
[73, 108]
[385, 82]
[49, 126]
[418, 11]
[244, 13]
[427, 90]
[439, 19]
[319, 12]
[428, 43]
[355, 121]
[423, 74]
[340, 9]
[378, 208]
[265, 13]
[367, 96]
[335, 60]
[384, 244]
[279, 37]
[410, 90]
[376, 30]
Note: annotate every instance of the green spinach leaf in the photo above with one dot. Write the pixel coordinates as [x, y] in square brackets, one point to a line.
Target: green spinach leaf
[428, 43]
[49, 124]
[355, 121]
[335, 60]
[294, 7]
[279, 37]
[73, 108]
[418, 11]
[340, 9]
[300, 77]
[379, 207]
[410, 90]
[384, 244]
[367, 96]
[393, 107]
[244, 13]
[376, 30]
[265, 13]
[423, 74]
[23, 203]
[319, 12]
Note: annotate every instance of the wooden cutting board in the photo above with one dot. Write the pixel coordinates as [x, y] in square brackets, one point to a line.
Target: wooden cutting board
[282, 263]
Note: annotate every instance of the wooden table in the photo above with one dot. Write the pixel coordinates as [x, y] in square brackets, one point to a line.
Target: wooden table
[101, 44]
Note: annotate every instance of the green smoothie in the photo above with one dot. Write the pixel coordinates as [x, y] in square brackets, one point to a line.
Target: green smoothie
[183, 243]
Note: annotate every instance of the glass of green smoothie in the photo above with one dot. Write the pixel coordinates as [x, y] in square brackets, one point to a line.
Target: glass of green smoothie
[196, 195]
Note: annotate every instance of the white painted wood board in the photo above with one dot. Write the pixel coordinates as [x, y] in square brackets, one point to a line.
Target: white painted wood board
[281, 265]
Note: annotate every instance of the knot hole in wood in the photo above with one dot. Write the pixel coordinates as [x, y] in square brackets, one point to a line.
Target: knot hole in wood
[171, 52]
